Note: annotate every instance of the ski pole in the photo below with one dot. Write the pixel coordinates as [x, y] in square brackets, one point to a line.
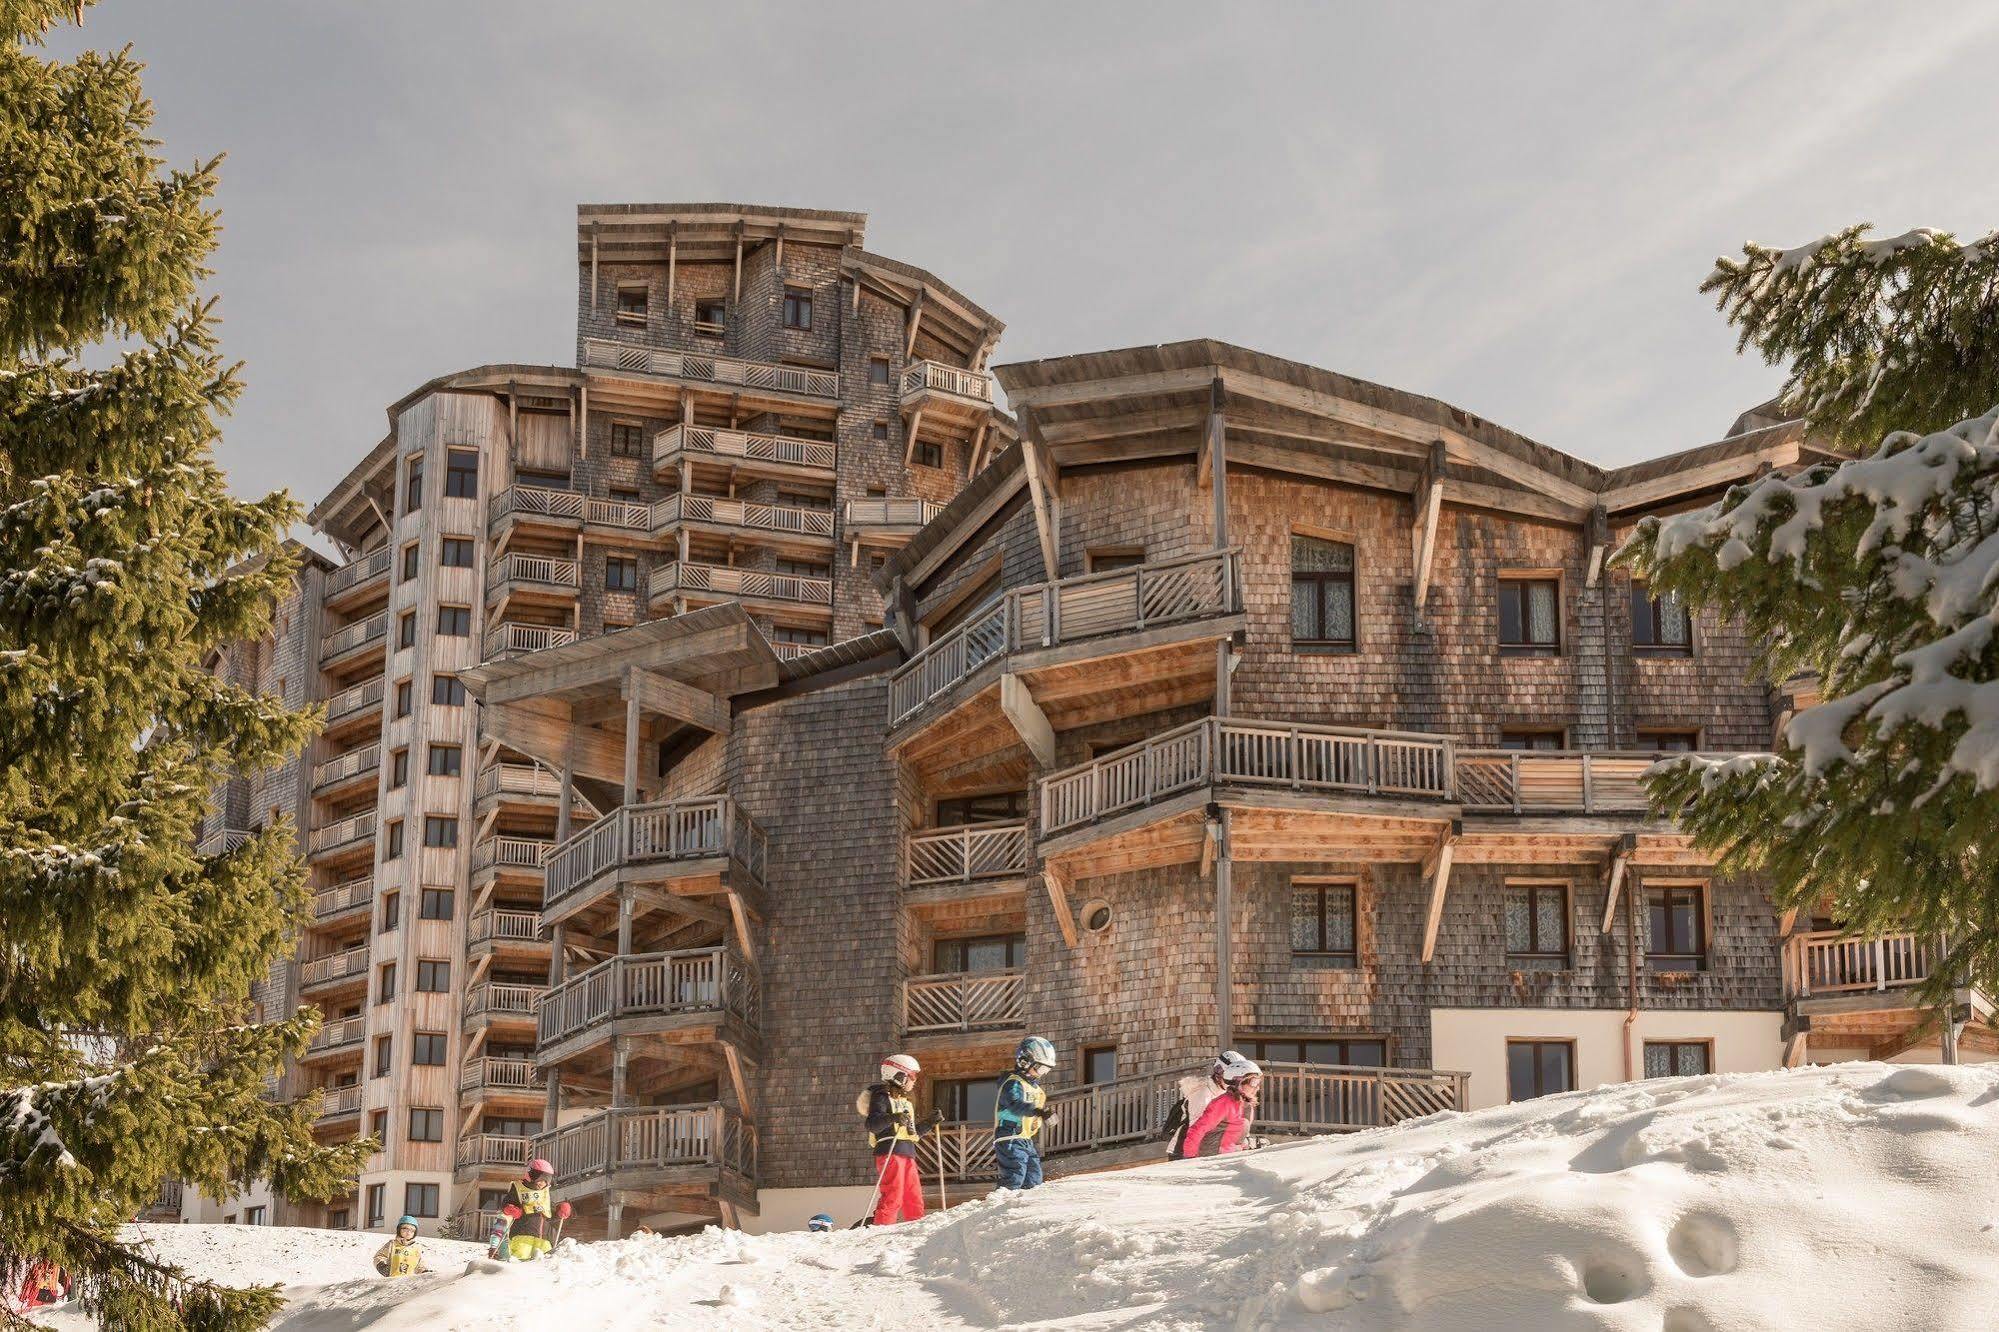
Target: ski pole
[937, 1133]
[881, 1169]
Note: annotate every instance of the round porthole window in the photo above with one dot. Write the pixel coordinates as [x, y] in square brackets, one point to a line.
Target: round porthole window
[1097, 916]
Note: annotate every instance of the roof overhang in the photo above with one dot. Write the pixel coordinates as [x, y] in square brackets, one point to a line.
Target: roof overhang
[703, 232]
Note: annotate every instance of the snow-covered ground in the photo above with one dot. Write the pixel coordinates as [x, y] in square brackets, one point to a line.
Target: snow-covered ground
[1858, 1196]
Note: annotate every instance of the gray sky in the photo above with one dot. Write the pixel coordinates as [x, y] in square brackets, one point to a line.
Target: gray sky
[1510, 207]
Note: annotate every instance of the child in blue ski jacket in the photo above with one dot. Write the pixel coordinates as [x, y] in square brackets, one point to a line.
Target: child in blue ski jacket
[1019, 1114]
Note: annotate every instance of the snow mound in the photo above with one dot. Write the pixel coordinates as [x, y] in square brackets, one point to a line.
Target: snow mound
[1855, 1196]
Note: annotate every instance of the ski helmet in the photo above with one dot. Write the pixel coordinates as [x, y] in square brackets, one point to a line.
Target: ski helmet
[539, 1166]
[1222, 1061]
[819, 1223]
[1032, 1051]
[409, 1221]
[900, 1068]
[1236, 1068]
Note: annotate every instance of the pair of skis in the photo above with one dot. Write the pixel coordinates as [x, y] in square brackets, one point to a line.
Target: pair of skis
[496, 1238]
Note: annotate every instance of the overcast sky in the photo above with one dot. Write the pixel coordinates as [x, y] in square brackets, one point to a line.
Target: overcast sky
[1510, 207]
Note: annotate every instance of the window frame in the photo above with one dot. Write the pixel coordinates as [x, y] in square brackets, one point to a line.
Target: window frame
[385, 983]
[442, 827]
[923, 453]
[796, 311]
[455, 474]
[392, 840]
[1320, 580]
[422, 1199]
[1014, 940]
[375, 1204]
[385, 1058]
[425, 899]
[1534, 888]
[621, 562]
[886, 367]
[1705, 1044]
[453, 755]
[1339, 959]
[1645, 617]
[1565, 1043]
[1649, 734]
[1657, 959]
[454, 621]
[412, 558]
[1111, 559]
[406, 631]
[392, 911]
[405, 696]
[413, 484]
[718, 304]
[639, 316]
[446, 545]
[1093, 1051]
[433, 963]
[399, 768]
[627, 430]
[1259, 1048]
[878, 431]
[1517, 582]
[440, 1041]
[1509, 739]
[450, 685]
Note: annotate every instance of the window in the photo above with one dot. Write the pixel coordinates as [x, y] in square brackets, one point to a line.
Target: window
[377, 1204]
[455, 552]
[461, 474]
[1096, 915]
[802, 568]
[454, 621]
[1322, 607]
[433, 976]
[632, 300]
[439, 831]
[1539, 1068]
[384, 1056]
[1531, 737]
[627, 439]
[711, 314]
[878, 369]
[1678, 1059]
[378, 1126]
[993, 807]
[797, 309]
[1669, 739]
[621, 573]
[428, 1049]
[402, 699]
[878, 430]
[413, 487]
[447, 691]
[929, 453]
[406, 630]
[446, 760]
[385, 982]
[409, 561]
[392, 911]
[399, 769]
[338, 1219]
[786, 633]
[1348, 1051]
[392, 844]
[254, 1216]
[1659, 625]
[1675, 928]
[983, 952]
[1322, 921]
[512, 1126]
[1537, 923]
[421, 1199]
[1099, 1064]
[966, 1100]
[436, 904]
[1529, 618]
[1104, 559]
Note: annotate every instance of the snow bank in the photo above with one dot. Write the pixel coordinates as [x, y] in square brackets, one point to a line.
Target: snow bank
[1855, 1196]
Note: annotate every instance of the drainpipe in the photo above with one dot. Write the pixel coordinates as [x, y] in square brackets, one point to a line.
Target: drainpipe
[1630, 975]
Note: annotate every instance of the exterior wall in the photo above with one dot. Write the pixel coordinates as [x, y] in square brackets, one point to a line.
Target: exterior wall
[1474, 1041]
[789, 1209]
[198, 1208]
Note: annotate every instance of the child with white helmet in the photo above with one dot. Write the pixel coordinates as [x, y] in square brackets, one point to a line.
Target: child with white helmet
[890, 1108]
[1232, 1111]
[1019, 1114]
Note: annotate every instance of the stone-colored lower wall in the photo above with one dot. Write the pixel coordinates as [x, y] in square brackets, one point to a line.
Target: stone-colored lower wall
[1474, 1041]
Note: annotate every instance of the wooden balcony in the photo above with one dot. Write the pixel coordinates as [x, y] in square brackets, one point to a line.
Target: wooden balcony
[702, 584]
[520, 857]
[342, 1036]
[691, 989]
[343, 900]
[679, 1157]
[924, 379]
[977, 852]
[502, 1001]
[339, 1103]
[334, 969]
[1823, 963]
[536, 506]
[784, 381]
[978, 1001]
[353, 583]
[500, 929]
[352, 705]
[627, 516]
[352, 641]
[884, 522]
[1873, 994]
[1546, 781]
[708, 837]
[526, 786]
[518, 575]
[511, 639]
[783, 527]
[346, 771]
[740, 451]
[489, 1077]
[342, 835]
[220, 841]
[489, 1151]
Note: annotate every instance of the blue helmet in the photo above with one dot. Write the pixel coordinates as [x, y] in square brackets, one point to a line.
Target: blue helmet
[819, 1223]
[409, 1221]
[1034, 1050]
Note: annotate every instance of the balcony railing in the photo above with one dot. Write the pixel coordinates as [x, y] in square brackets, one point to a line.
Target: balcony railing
[1822, 962]
[343, 766]
[508, 639]
[505, 998]
[343, 897]
[497, 1074]
[536, 501]
[1068, 610]
[712, 369]
[651, 1138]
[792, 651]
[339, 1102]
[343, 832]
[351, 636]
[492, 1149]
[504, 852]
[1246, 753]
[539, 570]
[963, 855]
[964, 1001]
[221, 841]
[692, 981]
[625, 515]
[891, 511]
[784, 519]
[924, 376]
[1529, 781]
[665, 830]
[513, 926]
[733, 581]
[346, 703]
[334, 966]
[723, 445]
[334, 1035]
[364, 570]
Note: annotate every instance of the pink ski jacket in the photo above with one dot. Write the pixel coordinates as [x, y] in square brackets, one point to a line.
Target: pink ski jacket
[1230, 1113]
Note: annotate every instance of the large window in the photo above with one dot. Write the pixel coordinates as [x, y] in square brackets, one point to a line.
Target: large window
[627, 439]
[1537, 924]
[433, 976]
[797, 308]
[426, 1125]
[447, 691]
[1322, 921]
[1531, 737]
[1678, 1059]
[1322, 602]
[440, 831]
[377, 1204]
[984, 952]
[1530, 621]
[455, 552]
[1539, 1068]
[966, 1100]
[454, 621]
[428, 1048]
[420, 1199]
[1350, 1051]
[1659, 625]
[632, 301]
[929, 453]
[711, 315]
[461, 474]
[621, 573]
[446, 760]
[1676, 928]
[437, 903]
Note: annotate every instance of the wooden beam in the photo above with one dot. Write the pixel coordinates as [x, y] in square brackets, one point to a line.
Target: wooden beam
[915, 321]
[1028, 719]
[1597, 534]
[1437, 870]
[672, 261]
[1224, 930]
[1209, 836]
[1189, 380]
[593, 268]
[1429, 506]
[973, 454]
[909, 435]
[1214, 444]
[1795, 1048]
[632, 720]
[739, 264]
[738, 1078]
[1056, 879]
[1041, 485]
[1620, 863]
[683, 702]
[548, 738]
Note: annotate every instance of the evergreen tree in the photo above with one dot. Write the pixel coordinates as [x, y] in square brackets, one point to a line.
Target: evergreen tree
[126, 1051]
[1878, 575]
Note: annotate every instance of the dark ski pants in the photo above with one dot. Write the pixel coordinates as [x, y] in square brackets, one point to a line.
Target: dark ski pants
[1019, 1163]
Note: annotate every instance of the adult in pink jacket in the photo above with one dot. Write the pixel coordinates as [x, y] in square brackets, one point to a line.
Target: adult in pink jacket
[1231, 1112]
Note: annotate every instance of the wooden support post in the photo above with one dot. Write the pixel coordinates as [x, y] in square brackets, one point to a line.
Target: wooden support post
[1224, 932]
[620, 1070]
[1437, 872]
[978, 449]
[672, 261]
[627, 909]
[1042, 483]
[739, 265]
[1620, 864]
[1028, 719]
[1423, 534]
[915, 319]
[914, 424]
[1216, 448]
[738, 1079]
[1599, 543]
[614, 1219]
[633, 719]
[593, 268]
[901, 607]
[780, 251]
[1797, 1045]
[682, 702]
[1057, 881]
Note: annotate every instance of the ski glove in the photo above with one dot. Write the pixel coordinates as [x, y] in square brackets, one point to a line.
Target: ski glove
[562, 1211]
[511, 1212]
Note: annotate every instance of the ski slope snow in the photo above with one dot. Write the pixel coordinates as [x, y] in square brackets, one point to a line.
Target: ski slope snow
[1855, 1196]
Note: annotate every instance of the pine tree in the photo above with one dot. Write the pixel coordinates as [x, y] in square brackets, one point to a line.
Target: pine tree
[126, 1053]
[1880, 576]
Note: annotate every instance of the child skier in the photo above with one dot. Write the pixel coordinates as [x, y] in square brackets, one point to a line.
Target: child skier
[1231, 1111]
[892, 1133]
[401, 1257]
[821, 1224]
[1019, 1114]
[528, 1208]
[1195, 1093]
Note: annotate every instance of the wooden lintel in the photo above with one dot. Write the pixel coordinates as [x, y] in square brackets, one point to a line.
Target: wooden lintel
[1620, 864]
[1056, 879]
[1423, 537]
[683, 702]
[1437, 871]
[1017, 702]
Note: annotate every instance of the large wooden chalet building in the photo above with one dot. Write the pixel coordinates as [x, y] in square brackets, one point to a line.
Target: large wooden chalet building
[756, 697]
